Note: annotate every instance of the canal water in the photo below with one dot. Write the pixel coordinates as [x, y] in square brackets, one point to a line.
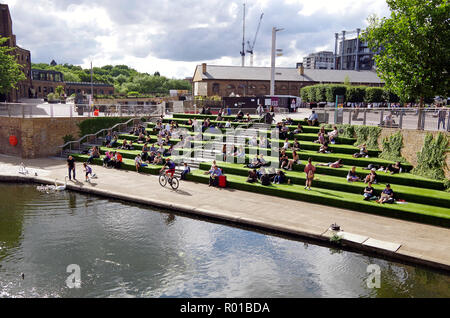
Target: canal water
[125, 250]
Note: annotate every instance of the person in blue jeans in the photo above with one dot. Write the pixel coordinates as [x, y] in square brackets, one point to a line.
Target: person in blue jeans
[279, 177]
[185, 171]
[71, 166]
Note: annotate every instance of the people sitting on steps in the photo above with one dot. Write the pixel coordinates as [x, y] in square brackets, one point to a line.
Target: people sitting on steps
[214, 173]
[387, 196]
[332, 135]
[313, 119]
[324, 148]
[280, 177]
[352, 176]
[394, 168]
[252, 176]
[186, 171]
[94, 153]
[369, 192]
[371, 177]
[299, 129]
[295, 160]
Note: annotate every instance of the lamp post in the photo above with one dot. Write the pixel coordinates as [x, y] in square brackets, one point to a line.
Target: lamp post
[272, 70]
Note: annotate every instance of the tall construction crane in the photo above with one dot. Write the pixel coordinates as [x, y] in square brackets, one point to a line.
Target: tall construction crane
[243, 39]
[252, 46]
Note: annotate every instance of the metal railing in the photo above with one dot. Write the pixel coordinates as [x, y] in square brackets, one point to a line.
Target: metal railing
[431, 119]
[77, 145]
[45, 110]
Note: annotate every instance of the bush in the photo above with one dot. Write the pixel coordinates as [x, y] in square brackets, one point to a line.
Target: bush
[367, 135]
[392, 147]
[334, 90]
[375, 95]
[431, 160]
[93, 125]
[355, 94]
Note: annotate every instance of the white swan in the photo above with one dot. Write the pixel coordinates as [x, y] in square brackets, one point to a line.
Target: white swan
[62, 187]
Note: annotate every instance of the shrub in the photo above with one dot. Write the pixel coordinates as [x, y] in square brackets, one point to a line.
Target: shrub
[392, 147]
[431, 159]
[334, 90]
[367, 135]
[356, 94]
[375, 95]
[93, 125]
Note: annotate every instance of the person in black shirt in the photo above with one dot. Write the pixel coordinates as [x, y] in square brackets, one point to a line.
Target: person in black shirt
[394, 168]
[369, 192]
[71, 166]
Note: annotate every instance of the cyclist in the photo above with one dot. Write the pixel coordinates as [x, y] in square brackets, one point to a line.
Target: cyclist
[171, 168]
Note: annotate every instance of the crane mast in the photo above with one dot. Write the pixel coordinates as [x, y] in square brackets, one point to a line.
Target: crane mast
[243, 39]
[252, 46]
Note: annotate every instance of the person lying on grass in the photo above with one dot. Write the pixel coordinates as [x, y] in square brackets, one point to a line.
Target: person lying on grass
[336, 164]
[362, 152]
[369, 192]
[387, 196]
[394, 168]
[352, 176]
[371, 177]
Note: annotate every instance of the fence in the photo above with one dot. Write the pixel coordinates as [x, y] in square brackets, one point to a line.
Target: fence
[23, 110]
[403, 118]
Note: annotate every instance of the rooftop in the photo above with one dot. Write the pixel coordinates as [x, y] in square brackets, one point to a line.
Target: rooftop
[219, 72]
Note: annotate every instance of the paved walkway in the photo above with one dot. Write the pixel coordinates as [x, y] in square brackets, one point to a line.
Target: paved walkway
[425, 244]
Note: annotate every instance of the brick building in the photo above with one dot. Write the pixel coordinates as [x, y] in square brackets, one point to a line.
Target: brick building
[225, 81]
[23, 56]
[40, 83]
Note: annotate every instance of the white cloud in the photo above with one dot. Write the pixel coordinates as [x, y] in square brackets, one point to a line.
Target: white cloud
[173, 36]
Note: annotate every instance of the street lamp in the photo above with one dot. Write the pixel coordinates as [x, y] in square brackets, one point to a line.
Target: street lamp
[272, 71]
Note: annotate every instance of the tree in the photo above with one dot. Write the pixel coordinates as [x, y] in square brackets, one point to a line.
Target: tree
[413, 48]
[10, 71]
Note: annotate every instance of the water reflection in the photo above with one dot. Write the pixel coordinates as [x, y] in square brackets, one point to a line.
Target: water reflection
[127, 250]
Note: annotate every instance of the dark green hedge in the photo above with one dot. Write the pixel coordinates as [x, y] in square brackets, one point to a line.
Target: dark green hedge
[93, 125]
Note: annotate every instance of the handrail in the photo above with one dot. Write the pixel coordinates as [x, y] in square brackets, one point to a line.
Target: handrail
[100, 131]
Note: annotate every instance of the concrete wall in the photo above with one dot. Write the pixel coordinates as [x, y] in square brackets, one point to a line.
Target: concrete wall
[38, 137]
[412, 143]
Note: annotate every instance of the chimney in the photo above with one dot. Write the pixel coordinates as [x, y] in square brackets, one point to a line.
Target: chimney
[301, 69]
[204, 68]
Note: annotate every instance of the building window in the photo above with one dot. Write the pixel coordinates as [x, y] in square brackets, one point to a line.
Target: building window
[216, 88]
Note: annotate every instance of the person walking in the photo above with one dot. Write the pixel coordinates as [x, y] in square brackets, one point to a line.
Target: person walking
[309, 170]
[71, 166]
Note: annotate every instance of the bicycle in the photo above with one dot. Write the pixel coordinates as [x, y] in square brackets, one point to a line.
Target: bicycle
[164, 179]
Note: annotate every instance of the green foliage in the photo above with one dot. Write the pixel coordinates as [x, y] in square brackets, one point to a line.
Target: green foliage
[392, 147]
[59, 91]
[356, 94]
[52, 97]
[335, 90]
[93, 125]
[345, 130]
[412, 46]
[375, 95]
[335, 239]
[367, 135]
[124, 79]
[10, 71]
[431, 159]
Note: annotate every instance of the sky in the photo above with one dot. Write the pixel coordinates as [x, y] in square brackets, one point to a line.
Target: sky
[172, 37]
